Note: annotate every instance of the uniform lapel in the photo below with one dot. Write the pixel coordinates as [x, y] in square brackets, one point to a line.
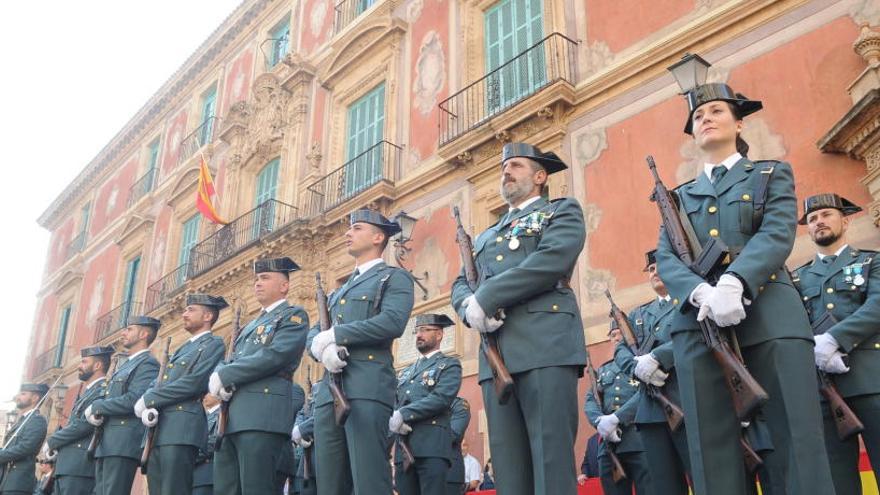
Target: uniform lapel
[843, 259]
[702, 186]
[816, 267]
[736, 174]
[369, 274]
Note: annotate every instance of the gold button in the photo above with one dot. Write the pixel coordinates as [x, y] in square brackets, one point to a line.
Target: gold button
[412, 416]
[265, 390]
[675, 302]
[616, 388]
[434, 422]
[407, 391]
[370, 357]
[363, 297]
[171, 365]
[342, 301]
[713, 232]
[761, 289]
[806, 298]
[616, 407]
[164, 377]
[180, 408]
[182, 363]
[713, 209]
[412, 381]
[499, 257]
[555, 307]
[852, 287]
[79, 446]
[528, 231]
[746, 197]
[830, 305]
[773, 277]
[830, 290]
[122, 422]
[876, 346]
[499, 239]
[616, 399]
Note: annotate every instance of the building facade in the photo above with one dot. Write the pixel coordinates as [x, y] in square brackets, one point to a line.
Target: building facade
[308, 109]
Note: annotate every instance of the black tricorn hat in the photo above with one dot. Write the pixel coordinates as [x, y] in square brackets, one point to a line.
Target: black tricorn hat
[437, 320]
[373, 217]
[828, 200]
[718, 92]
[549, 160]
[279, 265]
[97, 350]
[650, 259]
[39, 388]
[144, 321]
[216, 302]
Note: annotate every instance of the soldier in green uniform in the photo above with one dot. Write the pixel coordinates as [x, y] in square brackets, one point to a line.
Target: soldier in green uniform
[203, 474]
[844, 281]
[616, 426]
[752, 208]
[524, 262]
[304, 438]
[68, 447]
[286, 470]
[425, 392]
[368, 312]
[666, 452]
[175, 406]
[22, 442]
[119, 453]
[460, 417]
[256, 383]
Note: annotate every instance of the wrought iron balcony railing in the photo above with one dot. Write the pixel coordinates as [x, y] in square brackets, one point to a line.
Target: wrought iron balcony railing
[77, 244]
[360, 173]
[51, 359]
[200, 136]
[270, 216]
[115, 319]
[142, 186]
[550, 60]
[349, 10]
[274, 49]
[165, 288]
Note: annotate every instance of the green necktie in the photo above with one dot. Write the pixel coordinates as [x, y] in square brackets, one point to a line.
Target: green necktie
[717, 173]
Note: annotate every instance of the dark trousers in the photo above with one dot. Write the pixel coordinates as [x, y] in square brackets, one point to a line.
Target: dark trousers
[74, 485]
[303, 487]
[353, 459]
[844, 455]
[245, 463]
[637, 476]
[666, 455]
[170, 469]
[532, 436]
[114, 475]
[426, 477]
[454, 488]
[203, 490]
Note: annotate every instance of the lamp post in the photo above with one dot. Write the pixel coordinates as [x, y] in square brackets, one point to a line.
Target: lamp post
[401, 250]
[689, 72]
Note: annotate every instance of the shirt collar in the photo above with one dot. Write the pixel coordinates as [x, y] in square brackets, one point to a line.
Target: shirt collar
[366, 266]
[213, 409]
[138, 353]
[27, 413]
[728, 162]
[93, 382]
[274, 305]
[430, 354]
[842, 249]
[199, 335]
[665, 298]
[522, 206]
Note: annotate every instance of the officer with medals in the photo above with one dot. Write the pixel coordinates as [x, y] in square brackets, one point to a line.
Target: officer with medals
[615, 424]
[460, 417]
[844, 281]
[666, 451]
[524, 263]
[203, 474]
[304, 438]
[751, 207]
[18, 460]
[425, 392]
[68, 447]
[368, 312]
[119, 452]
[257, 384]
[175, 406]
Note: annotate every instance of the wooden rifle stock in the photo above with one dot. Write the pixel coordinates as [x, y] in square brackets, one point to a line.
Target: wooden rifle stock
[617, 471]
[751, 459]
[151, 431]
[223, 415]
[307, 409]
[746, 393]
[341, 405]
[409, 459]
[845, 420]
[502, 380]
[99, 430]
[674, 414]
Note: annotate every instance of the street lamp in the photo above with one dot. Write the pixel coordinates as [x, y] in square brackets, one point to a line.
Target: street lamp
[689, 72]
[401, 250]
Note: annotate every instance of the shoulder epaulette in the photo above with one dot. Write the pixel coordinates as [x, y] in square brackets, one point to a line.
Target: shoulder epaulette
[692, 181]
[808, 263]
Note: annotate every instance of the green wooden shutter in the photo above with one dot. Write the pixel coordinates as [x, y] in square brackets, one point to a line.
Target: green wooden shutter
[209, 107]
[280, 42]
[511, 28]
[84, 218]
[152, 165]
[62, 336]
[188, 238]
[129, 289]
[366, 121]
[363, 5]
[267, 188]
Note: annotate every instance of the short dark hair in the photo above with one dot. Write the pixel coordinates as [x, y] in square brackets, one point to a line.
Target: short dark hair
[151, 336]
[742, 147]
[215, 313]
[104, 359]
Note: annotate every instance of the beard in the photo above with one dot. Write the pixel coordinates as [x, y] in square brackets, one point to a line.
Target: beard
[85, 375]
[515, 192]
[827, 239]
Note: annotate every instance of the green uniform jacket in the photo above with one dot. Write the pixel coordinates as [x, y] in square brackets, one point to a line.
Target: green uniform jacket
[261, 371]
[761, 262]
[425, 391]
[618, 397]
[651, 318]
[203, 474]
[20, 457]
[306, 422]
[72, 441]
[369, 332]
[182, 418]
[542, 325]
[857, 309]
[123, 431]
[460, 418]
[288, 461]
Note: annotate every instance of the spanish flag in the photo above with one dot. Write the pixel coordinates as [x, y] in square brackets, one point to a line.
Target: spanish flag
[205, 194]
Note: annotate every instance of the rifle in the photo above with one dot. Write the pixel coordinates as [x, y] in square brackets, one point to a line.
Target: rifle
[47, 483]
[341, 406]
[151, 431]
[99, 430]
[307, 451]
[408, 458]
[617, 471]
[500, 375]
[846, 421]
[223, 416]
[674, 414]
[706, 261]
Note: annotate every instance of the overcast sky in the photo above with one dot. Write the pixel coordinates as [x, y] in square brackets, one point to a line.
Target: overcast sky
[73, 74]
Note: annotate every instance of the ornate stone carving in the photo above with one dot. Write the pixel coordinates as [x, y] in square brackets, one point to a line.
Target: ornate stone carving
[545, 113]
[873, 160]
[588, 146]
[314, 156]
[867, 45]
[596, 282]
[592, 217]
[503, 136]
[414, 10]
[463, 159]
[874, 209]
[257, 127]
[430, 73]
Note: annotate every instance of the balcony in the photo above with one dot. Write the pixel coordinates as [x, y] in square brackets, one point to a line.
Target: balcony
[194, 141]
[115, 319]
[76, 245]
[49, 360]
[349, 10]
[377, 164]
[546, 62]
[161, 291]
[274, 50]
[142, 187]
[239, 234]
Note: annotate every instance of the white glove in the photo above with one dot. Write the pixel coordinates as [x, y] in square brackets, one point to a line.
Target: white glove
[47, 453]
[648, 370]
[492, 324]
[700, 294]
[150, 417]
[474, 314]
[330, 359]
[826, 346]
[139, 407]
[225, 393]
[725, 302]
[296, 435]
[396, 424]
[607, 428]
[322, 340]
[835, 364]
[93, 419]
[215, 384]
